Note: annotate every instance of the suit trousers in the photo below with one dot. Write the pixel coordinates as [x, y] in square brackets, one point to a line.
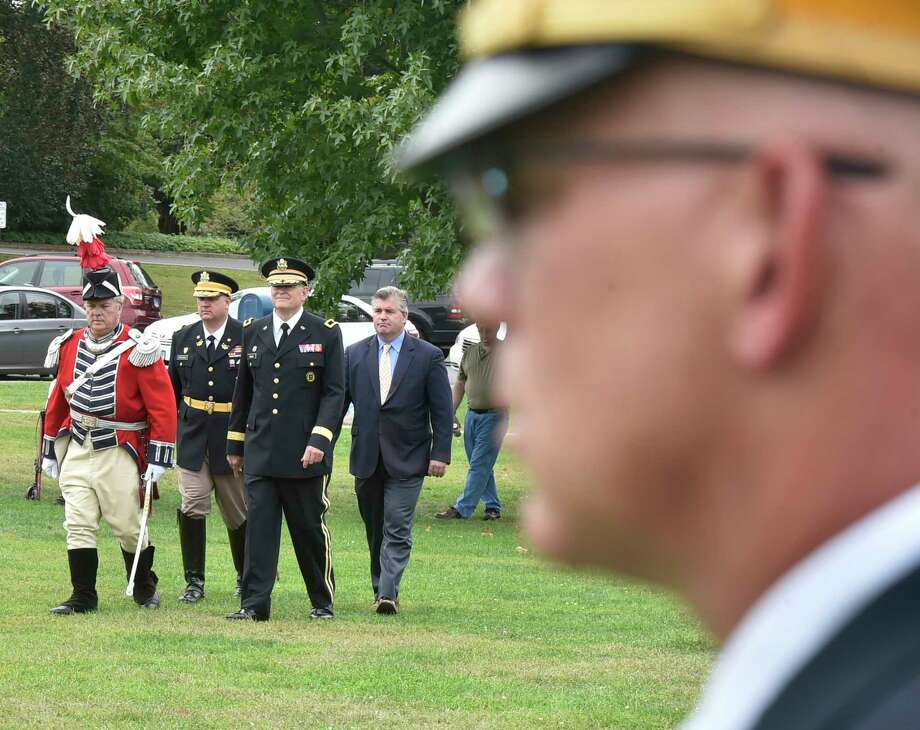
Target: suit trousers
[304, 503]
[387, 506]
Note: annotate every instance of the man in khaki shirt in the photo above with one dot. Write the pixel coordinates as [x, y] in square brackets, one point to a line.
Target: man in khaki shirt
[484, 429]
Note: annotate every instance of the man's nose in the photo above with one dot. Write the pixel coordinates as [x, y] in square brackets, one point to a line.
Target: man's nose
[483, 287]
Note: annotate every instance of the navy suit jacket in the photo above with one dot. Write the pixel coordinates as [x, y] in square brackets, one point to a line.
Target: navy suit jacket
[867, 677]
[415, 423]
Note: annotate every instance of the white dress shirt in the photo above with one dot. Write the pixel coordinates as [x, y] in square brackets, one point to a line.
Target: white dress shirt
[804, 609]
[291, 323]
[218, 334]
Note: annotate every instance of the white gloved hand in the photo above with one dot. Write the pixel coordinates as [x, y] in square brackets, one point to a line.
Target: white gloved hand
[50, 467]
[153, 473]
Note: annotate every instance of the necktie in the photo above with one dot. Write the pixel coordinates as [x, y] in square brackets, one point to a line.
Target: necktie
[210, 347]
[284, 334]
[385, 373]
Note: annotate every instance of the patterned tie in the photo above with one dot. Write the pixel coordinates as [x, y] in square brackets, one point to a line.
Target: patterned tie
[385, 373]
[210, 347]
[284, 334]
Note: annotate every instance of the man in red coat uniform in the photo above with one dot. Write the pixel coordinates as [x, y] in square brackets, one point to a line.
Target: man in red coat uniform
[111, 417]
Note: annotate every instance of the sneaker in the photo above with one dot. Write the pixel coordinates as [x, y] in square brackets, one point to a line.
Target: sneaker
[450, 513]
[492, 514]
[321, 613]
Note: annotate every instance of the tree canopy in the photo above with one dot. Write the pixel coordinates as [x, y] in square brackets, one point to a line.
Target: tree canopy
[295, 103]
[55, 140]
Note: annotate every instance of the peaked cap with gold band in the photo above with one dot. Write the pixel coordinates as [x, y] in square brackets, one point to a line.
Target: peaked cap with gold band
[525, 55]
[210, 284]
[287, 271]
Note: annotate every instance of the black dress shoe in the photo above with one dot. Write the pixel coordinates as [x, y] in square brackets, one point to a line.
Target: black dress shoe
[386, 607]
[65, 609]
[321, 613]
[245, 614]
[194, 591]
[152, 602]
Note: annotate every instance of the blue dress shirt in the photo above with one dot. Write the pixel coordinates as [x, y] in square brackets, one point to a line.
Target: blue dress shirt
[395, 347]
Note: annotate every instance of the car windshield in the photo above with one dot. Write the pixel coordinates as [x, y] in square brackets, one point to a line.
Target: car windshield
[375, 277]
[18, 272]
[140, 275]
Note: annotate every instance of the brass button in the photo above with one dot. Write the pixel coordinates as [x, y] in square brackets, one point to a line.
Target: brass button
[210, 397]
[211, 383]
[274, 411]
[311, 364]
[277, 365]
[211, 369]
[275, 396]
[277, 380]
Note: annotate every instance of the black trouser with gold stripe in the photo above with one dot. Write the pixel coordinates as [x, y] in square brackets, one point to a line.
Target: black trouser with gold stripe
[304, 503]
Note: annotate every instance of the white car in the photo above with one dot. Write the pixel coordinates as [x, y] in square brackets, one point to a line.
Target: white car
[354, 317]
[467, 337]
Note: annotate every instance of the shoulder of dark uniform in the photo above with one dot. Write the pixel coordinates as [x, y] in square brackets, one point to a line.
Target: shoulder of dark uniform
[183, 331]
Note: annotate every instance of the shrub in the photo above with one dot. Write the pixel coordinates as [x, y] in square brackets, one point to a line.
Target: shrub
[116, 240]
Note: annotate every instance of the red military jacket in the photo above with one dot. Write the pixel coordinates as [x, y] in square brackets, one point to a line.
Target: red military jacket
[134, 387]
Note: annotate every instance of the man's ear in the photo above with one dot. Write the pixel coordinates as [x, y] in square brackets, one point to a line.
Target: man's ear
[784, 277]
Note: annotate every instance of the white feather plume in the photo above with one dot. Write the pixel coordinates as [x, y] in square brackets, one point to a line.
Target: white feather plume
[84, 228]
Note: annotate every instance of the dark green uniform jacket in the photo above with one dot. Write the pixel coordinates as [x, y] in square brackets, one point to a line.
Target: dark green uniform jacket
[288, 399]
[204, 381]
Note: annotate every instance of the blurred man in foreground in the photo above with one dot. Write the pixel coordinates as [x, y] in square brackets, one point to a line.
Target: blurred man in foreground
[726, 193]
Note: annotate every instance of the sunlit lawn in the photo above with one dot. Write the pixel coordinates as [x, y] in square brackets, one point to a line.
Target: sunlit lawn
[488, 634]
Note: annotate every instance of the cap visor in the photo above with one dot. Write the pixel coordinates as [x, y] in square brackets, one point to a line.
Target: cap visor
[491, 93]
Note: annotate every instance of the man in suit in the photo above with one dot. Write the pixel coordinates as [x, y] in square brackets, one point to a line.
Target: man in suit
[203, 363]
[401, 432]
[726, 194]
[286, 414]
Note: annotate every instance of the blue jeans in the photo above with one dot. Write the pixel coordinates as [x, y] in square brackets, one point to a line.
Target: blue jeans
[482, 437]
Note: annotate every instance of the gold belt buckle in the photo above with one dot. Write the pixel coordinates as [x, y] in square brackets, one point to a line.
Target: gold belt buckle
[88, 421]
[210, 407]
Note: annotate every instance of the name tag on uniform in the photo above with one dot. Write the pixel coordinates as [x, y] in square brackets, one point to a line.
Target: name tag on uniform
[309, 347]
[181, 357]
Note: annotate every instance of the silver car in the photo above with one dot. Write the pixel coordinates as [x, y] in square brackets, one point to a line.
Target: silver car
[29, 319]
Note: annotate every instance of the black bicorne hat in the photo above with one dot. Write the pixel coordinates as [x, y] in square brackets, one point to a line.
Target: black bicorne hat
[101, 284]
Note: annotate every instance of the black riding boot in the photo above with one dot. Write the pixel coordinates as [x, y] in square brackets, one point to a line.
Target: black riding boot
[238, 550]
[192, 535]
[145, 580]
[84, 562]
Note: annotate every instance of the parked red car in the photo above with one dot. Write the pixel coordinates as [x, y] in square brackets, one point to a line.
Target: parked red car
[63, 275]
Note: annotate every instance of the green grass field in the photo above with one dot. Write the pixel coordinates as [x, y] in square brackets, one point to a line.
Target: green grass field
[489, 635]
[177, 287]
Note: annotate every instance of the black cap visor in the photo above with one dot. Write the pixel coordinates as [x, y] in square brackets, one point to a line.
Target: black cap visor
[494, 92]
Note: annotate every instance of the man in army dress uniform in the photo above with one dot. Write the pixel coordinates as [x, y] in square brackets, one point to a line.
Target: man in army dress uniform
[203, 364]
[284, 421]
[110, 418]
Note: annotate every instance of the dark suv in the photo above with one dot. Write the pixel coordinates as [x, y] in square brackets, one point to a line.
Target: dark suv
[438, 320]
[63, 275]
